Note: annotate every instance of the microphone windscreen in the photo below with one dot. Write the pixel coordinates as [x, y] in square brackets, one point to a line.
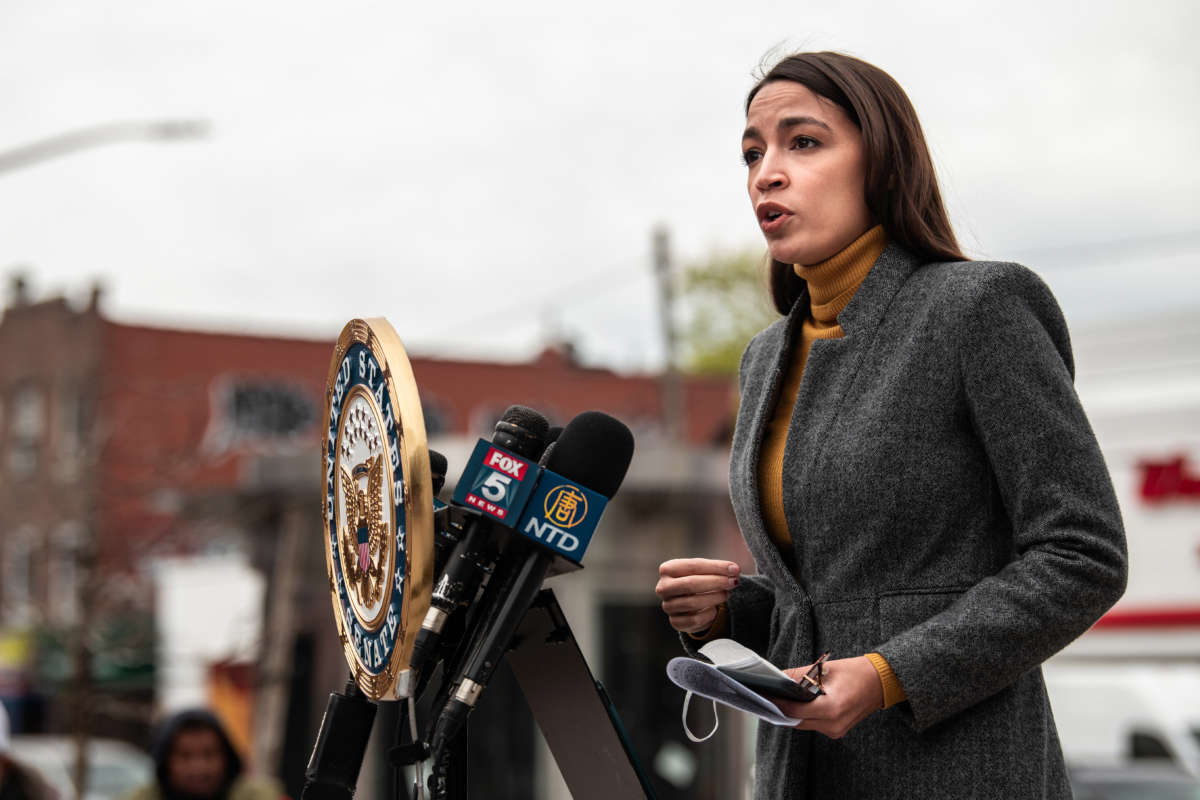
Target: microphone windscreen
[437, 470]
[551, 441]
[595, 450]
[529, 421]
[522, 430]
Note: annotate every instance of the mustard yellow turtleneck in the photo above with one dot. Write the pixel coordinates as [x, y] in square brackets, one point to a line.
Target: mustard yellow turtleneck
[831, 285]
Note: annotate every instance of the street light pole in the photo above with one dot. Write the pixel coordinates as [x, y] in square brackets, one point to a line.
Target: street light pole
[108, 133]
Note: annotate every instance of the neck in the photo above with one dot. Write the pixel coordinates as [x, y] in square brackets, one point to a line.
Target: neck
[833, 282]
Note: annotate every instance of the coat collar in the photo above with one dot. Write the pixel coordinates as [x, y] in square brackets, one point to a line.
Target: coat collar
[866, 309]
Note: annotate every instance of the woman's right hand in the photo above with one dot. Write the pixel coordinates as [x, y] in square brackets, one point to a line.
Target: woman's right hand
[692, 588]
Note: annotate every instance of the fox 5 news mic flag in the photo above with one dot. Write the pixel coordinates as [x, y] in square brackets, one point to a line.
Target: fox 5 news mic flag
[538, 503]
[378, 506]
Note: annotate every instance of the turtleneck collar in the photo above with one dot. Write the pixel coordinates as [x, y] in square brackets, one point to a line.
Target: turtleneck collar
[833, 282]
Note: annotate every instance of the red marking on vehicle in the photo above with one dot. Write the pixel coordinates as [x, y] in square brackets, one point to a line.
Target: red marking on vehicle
[1167, 617]
[1168, 480]
[505, 463]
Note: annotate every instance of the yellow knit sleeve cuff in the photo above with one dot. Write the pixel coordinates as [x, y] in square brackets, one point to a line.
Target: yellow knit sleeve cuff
[893, 692]
[718, 628]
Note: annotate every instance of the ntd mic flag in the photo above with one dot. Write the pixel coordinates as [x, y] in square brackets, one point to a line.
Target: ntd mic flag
[562, 515]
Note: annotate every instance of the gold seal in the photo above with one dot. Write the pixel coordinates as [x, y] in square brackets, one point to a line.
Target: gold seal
[378, 505]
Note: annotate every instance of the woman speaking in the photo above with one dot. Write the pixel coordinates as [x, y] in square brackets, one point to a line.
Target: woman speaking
[911, 469]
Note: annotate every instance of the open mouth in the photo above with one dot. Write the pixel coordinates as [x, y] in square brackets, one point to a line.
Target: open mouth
[772, 217]
[769, 213]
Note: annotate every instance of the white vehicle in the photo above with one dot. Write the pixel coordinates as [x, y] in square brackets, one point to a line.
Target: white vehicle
[1142, 782]
[114, 768]
[1109, 714]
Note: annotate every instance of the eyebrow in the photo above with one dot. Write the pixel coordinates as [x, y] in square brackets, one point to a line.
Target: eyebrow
[784, 124]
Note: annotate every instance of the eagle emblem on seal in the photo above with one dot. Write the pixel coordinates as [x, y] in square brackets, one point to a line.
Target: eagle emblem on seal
[362, 535]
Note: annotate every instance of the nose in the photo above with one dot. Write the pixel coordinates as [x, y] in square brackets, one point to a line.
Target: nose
[770, 174]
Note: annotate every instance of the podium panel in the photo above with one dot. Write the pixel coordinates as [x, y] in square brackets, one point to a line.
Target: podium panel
[572, 708]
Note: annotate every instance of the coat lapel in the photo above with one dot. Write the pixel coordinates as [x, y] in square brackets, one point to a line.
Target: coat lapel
[864, 313]
[764, 372]
[831, 366]
[830, 371]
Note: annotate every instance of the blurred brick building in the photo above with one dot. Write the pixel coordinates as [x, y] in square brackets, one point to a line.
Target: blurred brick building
[124, 445]
[121, 427]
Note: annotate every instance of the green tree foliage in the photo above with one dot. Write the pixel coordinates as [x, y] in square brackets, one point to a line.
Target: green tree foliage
[725, 302]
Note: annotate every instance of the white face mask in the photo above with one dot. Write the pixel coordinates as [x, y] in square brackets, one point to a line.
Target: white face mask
[687, 700]
[703, 678]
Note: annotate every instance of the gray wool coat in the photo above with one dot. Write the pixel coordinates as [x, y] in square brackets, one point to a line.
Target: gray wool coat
[950, 509]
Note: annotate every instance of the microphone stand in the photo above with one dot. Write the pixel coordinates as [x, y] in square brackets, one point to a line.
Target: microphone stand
[337, 757]
[455, 646]
[447, 779]
[576, 716]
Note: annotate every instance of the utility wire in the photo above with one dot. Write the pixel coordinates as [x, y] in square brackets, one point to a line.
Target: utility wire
[1085, 254]
[579, 292]
[1061, 258]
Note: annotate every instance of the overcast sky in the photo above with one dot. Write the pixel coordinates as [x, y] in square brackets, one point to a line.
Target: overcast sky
[484, 176]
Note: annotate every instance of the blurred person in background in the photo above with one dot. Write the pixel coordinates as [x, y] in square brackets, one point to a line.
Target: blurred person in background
[19, 781]
[195, 760]
[911, 468]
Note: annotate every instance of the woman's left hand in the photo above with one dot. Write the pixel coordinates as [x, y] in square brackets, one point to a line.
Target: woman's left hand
[852, 692]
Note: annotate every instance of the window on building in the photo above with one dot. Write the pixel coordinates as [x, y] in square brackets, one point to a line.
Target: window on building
[483, 419]
[248, 412]
[69, 430]
[63, 564]
[437, 418]
[636, 642]
[26, 429]
[19, 568]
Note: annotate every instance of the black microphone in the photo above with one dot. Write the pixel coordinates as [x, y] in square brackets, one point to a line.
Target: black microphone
[447, 531]
[594, 450]
[437, 470]
[333, 767]
[522, 431]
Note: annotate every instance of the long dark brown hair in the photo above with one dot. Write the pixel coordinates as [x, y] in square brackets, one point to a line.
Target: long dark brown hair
[901, 187]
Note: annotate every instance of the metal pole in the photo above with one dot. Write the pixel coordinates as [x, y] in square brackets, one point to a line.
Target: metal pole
[276, 660]
[672, 391]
